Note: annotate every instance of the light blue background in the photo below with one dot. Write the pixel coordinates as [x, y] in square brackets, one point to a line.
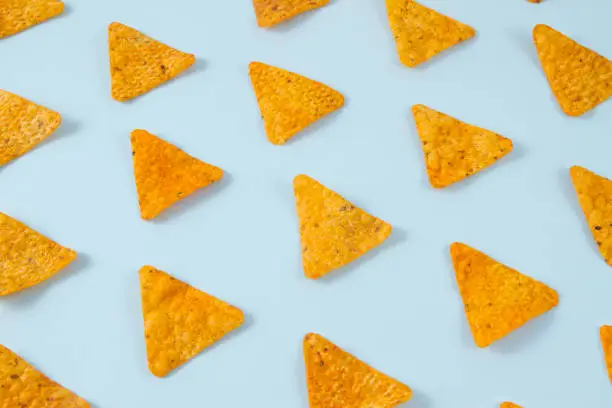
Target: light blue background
[399, 309]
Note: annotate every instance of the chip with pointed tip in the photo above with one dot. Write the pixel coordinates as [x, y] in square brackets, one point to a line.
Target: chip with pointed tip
[272, 12]
[24, 125]
[139, 63]
[179, 320]
[605, 333]
[421, 33]
[595, 197]
[579, 78]
[165, 174]
[21, 385]
[336, 379]
[19, 15]
[289, 102]
[26, 257]
[497, 299]
[333, 231]
[510, 404]
[453, 149]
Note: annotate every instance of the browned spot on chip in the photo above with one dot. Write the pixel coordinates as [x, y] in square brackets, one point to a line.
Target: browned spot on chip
[290, 102]
[509, 404]
[580, 78]
[595, 196]
[179, 320]
[23, 125]
[26, 257]
[18, 15]
[22, 386]
[337, 379]
[453, 149]
[333, 231]
[165, 174]
[139, 63]
[606, 343]
[497, 299]
[420, 32]
[272, 12]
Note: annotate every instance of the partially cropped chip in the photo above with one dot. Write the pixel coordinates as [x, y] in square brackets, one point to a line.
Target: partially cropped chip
[289, 102]
[18, 15]
[333, 231]
[272, 12]
[453, 149]
[595, 197]
[22, 386]
[23, 125]
[336, 379]
[580, 78]
[139, 63]
[509, 404]
[26, 257]
[179, 320]
[165, 174]
[606, 343]
[497, 299]
[421, 33]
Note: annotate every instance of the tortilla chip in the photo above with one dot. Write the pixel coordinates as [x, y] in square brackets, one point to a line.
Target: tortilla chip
[165, 174]
[24, 125]
[21, 385]
[18, 15]
[290, 102]
[337, 379]
[497, 299]
[272, 12]
[595, 196]
[580, 78]
[509, 404]
[333, 231]
[26, 257]
[606, 342]
[139, 63]
[179, 320]
[532, 1]
[420, 32]
[453, 149]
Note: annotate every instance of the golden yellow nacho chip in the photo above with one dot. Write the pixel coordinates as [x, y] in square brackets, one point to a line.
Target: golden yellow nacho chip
[23, 125]
[21, 385]
[272, 12]
[139, 63]
[165, 174]
[595, 197]
[333, 231]
[179, 320]
[580, 78]
[290, 102]
[18, 15]
[421, 33]
[453, 149]
[26, 257]
[606, 342]
[509, 404]
[337, 379]
[497, 299]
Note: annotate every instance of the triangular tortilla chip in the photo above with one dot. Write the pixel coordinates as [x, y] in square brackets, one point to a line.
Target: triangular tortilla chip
[290, 102]
[272, 12]
[421, 33]
[497, 299]
[26, 257]
[165, 174]
[453, 149]
[139, 63]
[21, 385]
[606, 343]
[595, 197]
[23, 125]
[18, 15]
[509, 404]
[580, 78]
[337, 379]
[333, 231]
[179, 320]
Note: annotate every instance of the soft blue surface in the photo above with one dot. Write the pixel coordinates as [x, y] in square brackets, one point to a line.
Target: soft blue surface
[399, 310]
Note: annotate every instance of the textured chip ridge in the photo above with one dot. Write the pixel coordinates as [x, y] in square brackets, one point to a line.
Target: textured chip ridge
[19, 15]
[272, 12]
